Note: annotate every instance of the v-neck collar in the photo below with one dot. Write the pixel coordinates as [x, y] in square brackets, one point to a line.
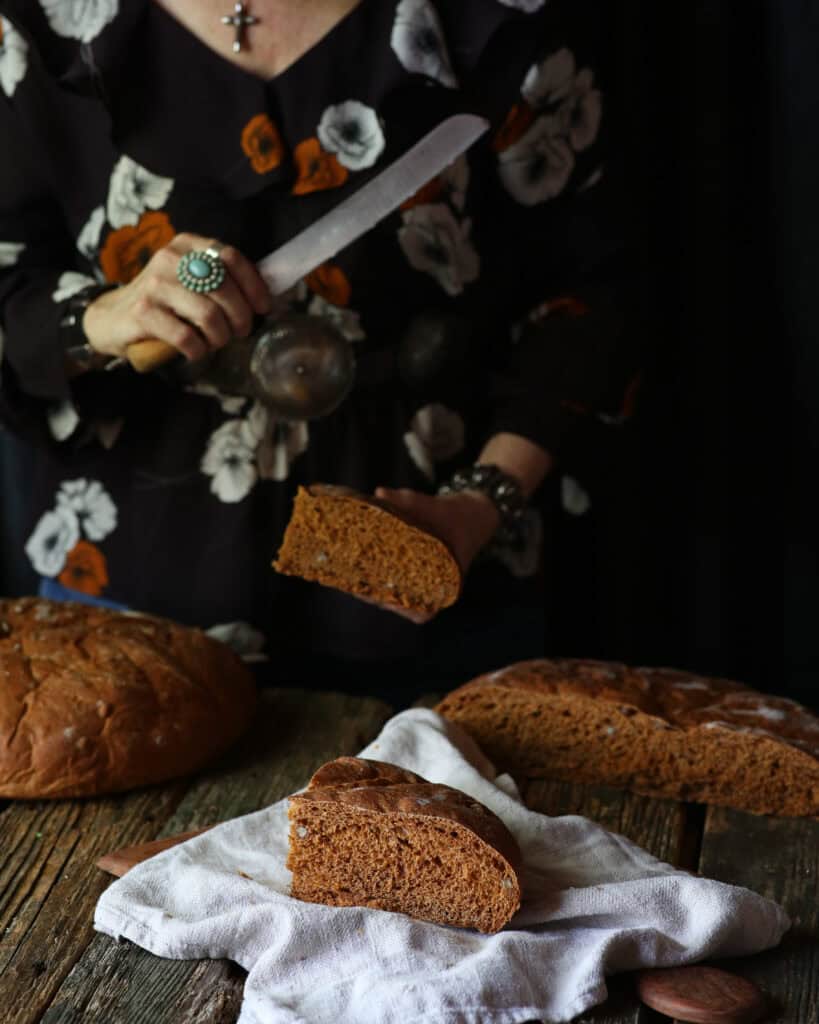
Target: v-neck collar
[229, 67]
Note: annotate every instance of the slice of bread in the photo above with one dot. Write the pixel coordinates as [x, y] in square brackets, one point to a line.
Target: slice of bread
[366, 833]
[363, 546]
[660, 732]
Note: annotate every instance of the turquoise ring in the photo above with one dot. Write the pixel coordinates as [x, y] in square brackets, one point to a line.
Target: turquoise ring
[201, 270]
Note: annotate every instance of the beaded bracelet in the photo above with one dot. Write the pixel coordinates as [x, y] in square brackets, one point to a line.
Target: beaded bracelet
[72, 335]
[502, 490]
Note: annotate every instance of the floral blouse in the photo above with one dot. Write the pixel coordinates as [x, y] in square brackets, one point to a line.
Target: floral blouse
[119, 129]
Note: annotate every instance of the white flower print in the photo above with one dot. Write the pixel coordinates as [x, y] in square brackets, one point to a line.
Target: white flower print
[527, 6]
[133, 190]
[573, 498]
[284, 442]
[91, 504]
[419, 454]
[79, 19]
[582, 112]
[524, 560]
[70, 283]
[88, 239]
[62, 419]
[441, 429]
[436, 243]
[13, 57]
[232, 405]
[54, 536]
[436, 434]
[556, 82]
[353, 132]
[538, 166]
[346, 321]
[418, 42]
[551, 81]
[10, 253]
[242, 638]
[230, 460]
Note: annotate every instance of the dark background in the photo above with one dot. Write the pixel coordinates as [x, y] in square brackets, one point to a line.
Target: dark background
[702, 555]
[705, 557]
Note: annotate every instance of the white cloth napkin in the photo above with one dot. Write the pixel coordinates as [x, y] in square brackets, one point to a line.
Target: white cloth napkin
[593, 904]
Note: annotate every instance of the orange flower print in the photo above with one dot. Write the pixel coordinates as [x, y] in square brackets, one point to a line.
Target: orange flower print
[429, 193]
[262, 143]
[85, 569]
[565, 304]
[128, 249]
[330, 282]
[517, 121]
[317, 169]
[569, 305]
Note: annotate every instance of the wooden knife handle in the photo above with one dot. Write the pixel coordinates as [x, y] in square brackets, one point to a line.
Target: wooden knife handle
[150, 353]
[120, 861]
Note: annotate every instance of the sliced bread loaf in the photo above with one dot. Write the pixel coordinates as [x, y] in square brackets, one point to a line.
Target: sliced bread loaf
[363, 546]
[366, 833]
[656, 731]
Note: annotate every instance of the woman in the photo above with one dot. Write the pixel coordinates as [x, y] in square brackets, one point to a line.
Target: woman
[136, 134]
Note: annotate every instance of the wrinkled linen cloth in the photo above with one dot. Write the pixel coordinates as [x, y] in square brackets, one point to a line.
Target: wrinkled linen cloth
[593, 904]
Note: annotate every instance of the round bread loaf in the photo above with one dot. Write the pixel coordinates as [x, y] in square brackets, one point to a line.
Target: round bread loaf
[363, 546]
[657, 731]
[96, 701]
[366, 833]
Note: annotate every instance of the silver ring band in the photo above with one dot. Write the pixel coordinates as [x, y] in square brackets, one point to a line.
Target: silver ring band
[201, 270]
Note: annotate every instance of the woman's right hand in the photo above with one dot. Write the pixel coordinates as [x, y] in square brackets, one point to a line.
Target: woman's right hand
[156, 305]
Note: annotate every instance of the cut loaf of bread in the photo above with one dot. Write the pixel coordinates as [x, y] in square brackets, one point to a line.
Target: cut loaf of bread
[366, 833]
[656, 731]
[362, 546]
[96, 701]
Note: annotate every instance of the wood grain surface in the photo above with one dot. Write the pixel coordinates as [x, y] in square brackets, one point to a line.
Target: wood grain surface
[54, 968]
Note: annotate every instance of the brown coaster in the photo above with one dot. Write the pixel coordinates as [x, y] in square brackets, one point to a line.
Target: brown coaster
[701, 995]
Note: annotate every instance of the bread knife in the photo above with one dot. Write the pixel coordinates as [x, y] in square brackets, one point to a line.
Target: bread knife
[352, 218]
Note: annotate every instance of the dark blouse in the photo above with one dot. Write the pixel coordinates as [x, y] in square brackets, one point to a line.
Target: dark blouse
[119, 129]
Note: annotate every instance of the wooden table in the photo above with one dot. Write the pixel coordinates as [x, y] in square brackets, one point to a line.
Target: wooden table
[55, 968]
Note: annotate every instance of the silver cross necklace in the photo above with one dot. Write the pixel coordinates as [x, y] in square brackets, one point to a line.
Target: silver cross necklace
[241, 21]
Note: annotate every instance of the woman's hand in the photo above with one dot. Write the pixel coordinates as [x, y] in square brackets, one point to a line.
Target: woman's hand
[465, 521]
[156, 305]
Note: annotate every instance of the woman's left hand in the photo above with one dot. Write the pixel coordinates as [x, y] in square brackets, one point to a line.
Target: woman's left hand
[465, 521]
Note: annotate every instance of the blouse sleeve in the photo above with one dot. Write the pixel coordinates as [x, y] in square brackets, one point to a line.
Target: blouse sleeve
[41, 268]
[35, 252]
[556, 248]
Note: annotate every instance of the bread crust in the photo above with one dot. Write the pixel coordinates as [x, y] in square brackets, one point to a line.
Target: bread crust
[98, 701]
[403, 827]
[657, 731]
[364, 546]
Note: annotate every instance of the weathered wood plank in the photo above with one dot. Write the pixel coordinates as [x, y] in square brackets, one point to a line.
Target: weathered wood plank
[48, 885]
[113, 987]
[659, 826]
[295, 732]
[778, 858]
